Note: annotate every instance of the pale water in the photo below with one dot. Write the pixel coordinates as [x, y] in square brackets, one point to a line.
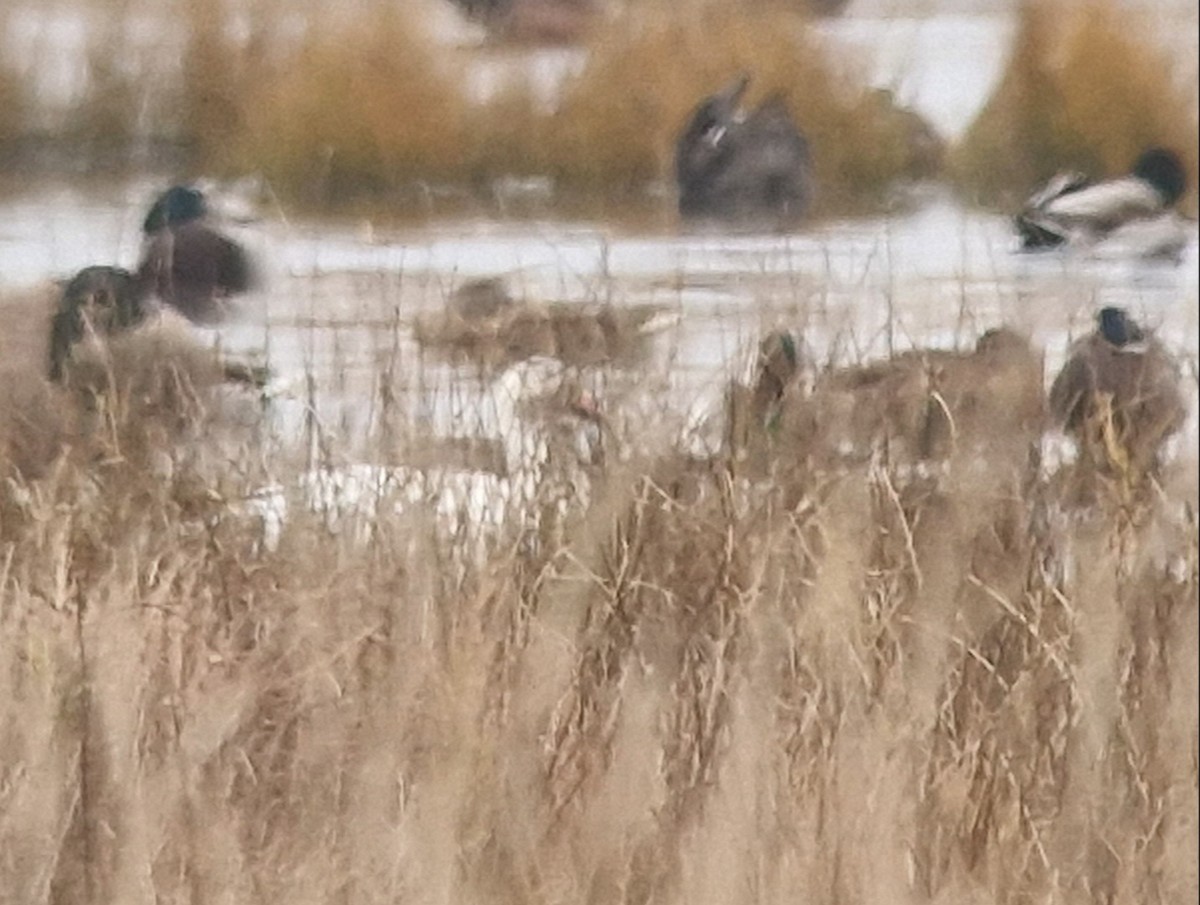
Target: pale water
[340, 300]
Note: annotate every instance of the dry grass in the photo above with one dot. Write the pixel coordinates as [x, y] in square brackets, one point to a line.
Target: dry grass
[1086, 88]
[14, 104]
[837, 686]
[646, 73]
[365, 107]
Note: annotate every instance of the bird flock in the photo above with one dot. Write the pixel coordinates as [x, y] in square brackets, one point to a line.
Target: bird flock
[1118, 396]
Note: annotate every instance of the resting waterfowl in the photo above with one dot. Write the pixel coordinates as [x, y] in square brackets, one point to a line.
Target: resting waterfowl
[187, 263]
[97, 301]
[741, 167]
[921, 405]
[484, 324]
[550, 437]
[1072, 209]
[1118, 395]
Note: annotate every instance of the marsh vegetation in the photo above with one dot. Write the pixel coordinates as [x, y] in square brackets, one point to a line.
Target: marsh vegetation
[875, 640]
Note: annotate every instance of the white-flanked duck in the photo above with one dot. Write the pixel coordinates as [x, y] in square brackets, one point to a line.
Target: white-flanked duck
[1073, 209]
[550, 436]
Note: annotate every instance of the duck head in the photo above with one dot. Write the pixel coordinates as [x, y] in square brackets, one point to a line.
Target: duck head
[177, 205]
[1118, 328]
[1162, 169]
[707, 133]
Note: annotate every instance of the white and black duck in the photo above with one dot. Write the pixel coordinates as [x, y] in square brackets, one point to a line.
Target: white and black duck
[1136, 211]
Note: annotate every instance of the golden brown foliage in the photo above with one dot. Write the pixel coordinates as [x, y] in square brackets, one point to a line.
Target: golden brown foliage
[360, 107]
[840, 685]
[1086, 88]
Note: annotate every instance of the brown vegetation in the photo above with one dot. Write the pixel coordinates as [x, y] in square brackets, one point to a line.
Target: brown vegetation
[837, 686]
[362, 107]
[1086, 88]
[645, 74]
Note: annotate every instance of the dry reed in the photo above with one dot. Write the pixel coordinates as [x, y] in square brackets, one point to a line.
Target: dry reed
[1086, 88]
[839, 685]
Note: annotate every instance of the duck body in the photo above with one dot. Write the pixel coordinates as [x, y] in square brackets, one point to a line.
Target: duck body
[196, 270]
[1118, 395]
[187, 263]
[1073, 210]
[925, 405]
[743, 168]
[548, 442]
[484, 324]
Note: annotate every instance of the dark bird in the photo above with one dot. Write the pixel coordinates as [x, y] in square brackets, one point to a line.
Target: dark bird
[734, 166]
[920, 405]
[1119, 395]
[187, 263]
[97, 301]
[1072, 208]
[176, 206]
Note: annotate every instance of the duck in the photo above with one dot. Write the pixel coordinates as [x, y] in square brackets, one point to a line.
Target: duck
[1072, 209]
[1119, 396]
[187, 263]
[755, 401]
[920, 406]
[484, 324]
[100, 302]
[551, 436]
[738, 167]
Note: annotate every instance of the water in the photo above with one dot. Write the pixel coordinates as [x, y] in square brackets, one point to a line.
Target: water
[340, 301]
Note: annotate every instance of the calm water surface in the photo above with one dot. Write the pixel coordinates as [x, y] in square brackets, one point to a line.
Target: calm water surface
[340, 299]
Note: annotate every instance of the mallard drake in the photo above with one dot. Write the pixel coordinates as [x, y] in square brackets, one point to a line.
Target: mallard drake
[187, 263]
[1072, 208]
[1118, 395]
[734, 166]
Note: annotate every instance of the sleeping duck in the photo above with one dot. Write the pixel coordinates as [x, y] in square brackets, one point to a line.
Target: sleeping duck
[1072, 209]
[187, 263]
